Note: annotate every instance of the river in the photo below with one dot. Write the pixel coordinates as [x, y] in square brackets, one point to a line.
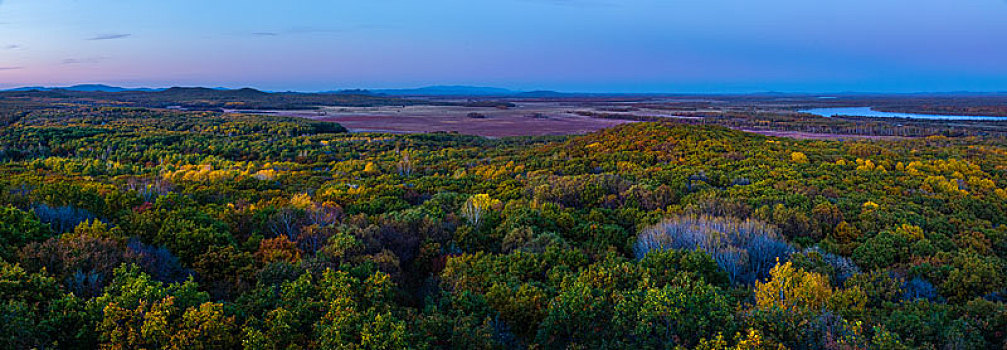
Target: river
[868, 112]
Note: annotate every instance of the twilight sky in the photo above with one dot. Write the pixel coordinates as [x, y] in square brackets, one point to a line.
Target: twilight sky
[568, 45]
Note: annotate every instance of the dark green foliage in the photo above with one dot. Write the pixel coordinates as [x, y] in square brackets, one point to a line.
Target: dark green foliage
[18, 228]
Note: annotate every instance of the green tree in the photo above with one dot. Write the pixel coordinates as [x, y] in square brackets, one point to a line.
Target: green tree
[18, 228]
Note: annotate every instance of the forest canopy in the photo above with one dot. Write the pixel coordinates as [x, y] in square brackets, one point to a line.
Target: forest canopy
[125, 227]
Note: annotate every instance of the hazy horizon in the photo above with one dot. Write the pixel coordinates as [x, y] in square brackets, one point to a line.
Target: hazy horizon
[591, 46]
[407, 88]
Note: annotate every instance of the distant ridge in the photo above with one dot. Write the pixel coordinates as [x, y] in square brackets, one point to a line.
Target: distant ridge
[84, 88]
[108, 88]
[545, 93]
[438, 90]
[454, 90]
[191, 92]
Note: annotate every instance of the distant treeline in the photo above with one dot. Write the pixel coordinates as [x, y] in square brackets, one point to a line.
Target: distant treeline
[842, 125]
[210, 99]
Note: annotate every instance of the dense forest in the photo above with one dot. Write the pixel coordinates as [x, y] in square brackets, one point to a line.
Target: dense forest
[135, 228]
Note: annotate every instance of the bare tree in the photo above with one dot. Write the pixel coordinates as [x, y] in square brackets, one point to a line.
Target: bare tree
[406, 164]
[745, 249]
[285, 222]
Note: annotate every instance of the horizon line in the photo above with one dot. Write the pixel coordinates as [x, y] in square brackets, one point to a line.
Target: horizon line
[512, 91]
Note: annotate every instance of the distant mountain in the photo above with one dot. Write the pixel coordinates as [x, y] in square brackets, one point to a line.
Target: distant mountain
[438, 90]
[364, 92]
[83, 88]
[103, 88]
[202, 92]
[455, 90]
[171, 90]
[546, 93]
[30, 88]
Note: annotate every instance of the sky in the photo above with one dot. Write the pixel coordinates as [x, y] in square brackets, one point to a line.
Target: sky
[699, 46]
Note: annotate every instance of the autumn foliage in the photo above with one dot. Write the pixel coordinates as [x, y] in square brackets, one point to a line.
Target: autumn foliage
[137, 228]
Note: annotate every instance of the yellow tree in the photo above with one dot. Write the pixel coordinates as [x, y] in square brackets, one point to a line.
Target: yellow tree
[405, 164]
[301, 201]
[372, 168]
[477, 206]
[798, 157]
[793, 289]
[204, 328]
[750, 340]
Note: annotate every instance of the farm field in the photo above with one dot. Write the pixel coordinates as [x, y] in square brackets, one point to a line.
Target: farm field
[534, 119]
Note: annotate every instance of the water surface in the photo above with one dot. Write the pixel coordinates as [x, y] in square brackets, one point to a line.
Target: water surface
[868, 112]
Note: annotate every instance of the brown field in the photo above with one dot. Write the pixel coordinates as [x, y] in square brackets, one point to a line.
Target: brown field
[489, 127]
[554, 119]
[527, 119]
[539, 117]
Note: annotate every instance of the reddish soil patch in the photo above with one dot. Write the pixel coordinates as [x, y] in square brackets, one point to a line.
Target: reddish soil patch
[496, 126]
[531, 119]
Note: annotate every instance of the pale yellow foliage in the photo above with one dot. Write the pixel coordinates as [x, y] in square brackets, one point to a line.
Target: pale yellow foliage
[798, 157]
[940, 184]
[477, 206]
[865, 165]
[200, 173]
[265, 174]
[371, 168]
[301, 201]
[750, 340]
[793, 289]
[911, 231]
